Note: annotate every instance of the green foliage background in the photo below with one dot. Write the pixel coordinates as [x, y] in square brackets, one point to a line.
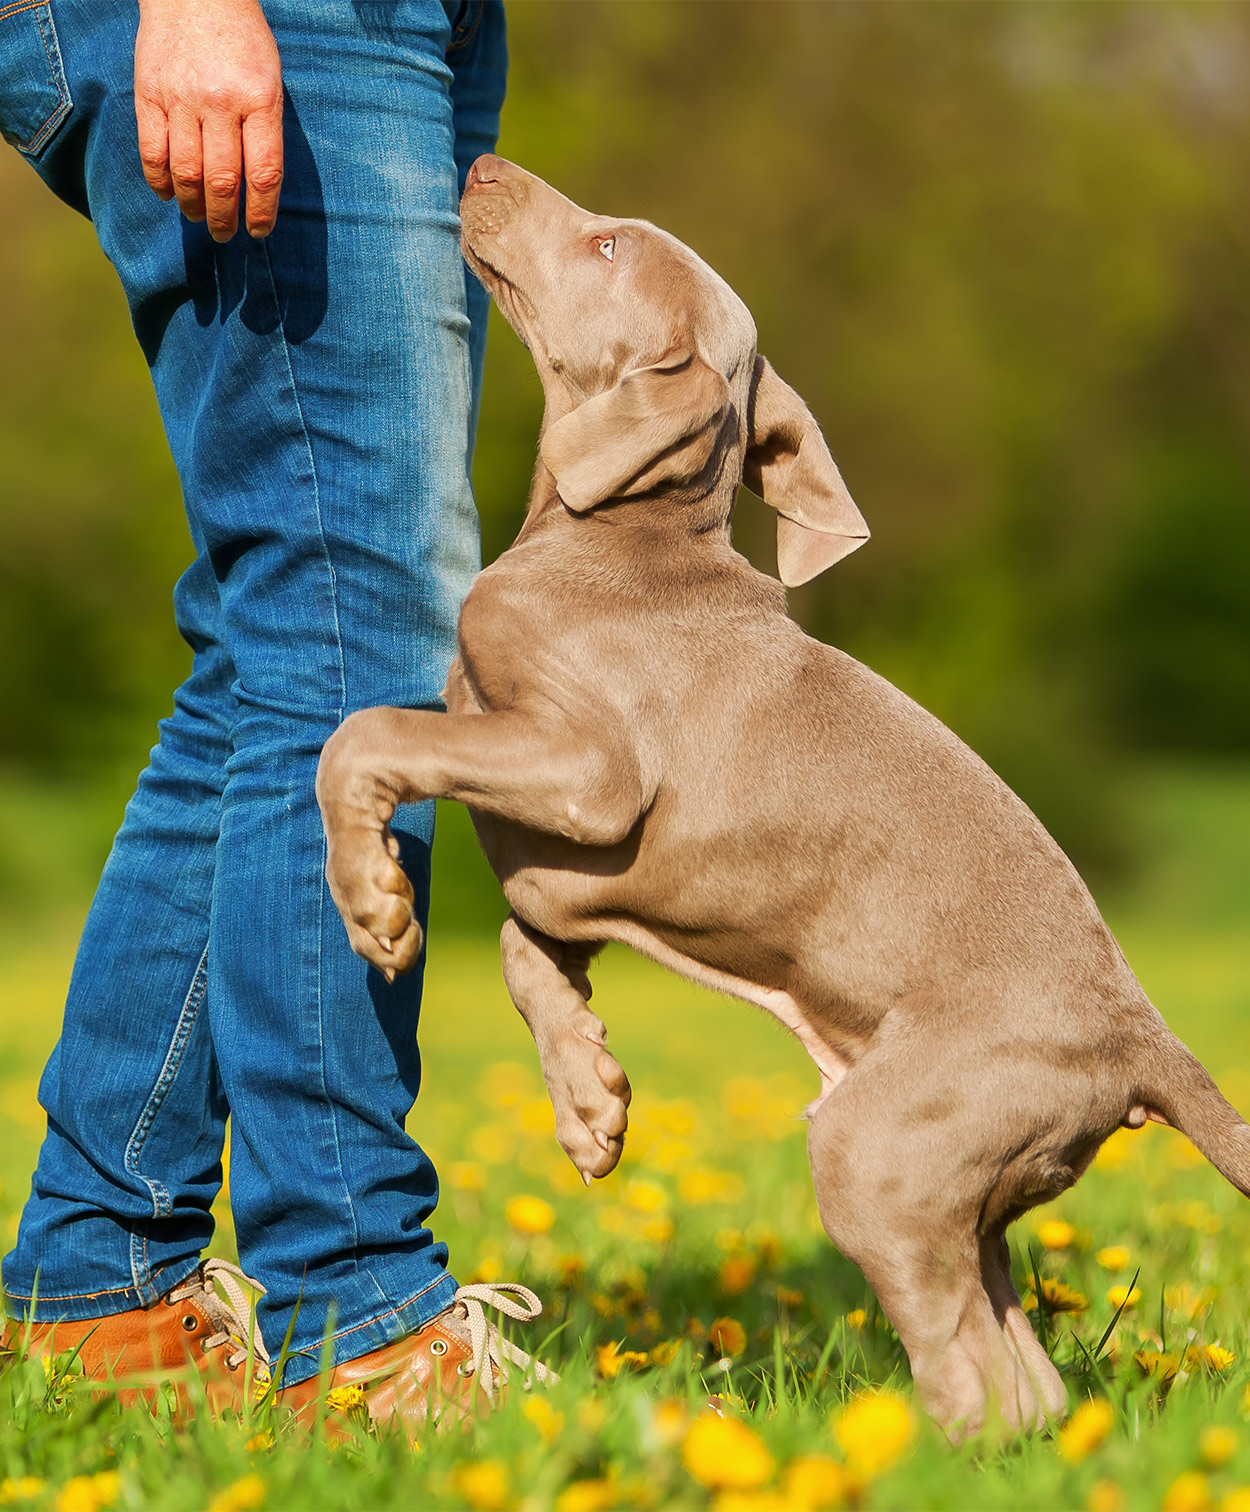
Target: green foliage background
[1001, 249]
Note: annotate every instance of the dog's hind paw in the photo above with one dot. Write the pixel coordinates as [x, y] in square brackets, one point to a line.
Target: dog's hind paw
[590, 1093]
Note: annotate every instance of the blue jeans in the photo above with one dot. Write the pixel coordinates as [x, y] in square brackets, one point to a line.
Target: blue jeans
[319, 392]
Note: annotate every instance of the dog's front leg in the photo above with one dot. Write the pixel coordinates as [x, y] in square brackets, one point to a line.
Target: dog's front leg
[589, 1092]
[581, 780]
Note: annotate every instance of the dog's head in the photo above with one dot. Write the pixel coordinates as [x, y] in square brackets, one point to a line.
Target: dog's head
[648, 363]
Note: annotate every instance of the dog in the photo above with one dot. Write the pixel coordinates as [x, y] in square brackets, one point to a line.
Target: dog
[653, 752]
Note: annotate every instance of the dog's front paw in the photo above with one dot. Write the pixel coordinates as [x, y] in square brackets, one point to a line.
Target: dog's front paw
[591, 1094]
[375, 898]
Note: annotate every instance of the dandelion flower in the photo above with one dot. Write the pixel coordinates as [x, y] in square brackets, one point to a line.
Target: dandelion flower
[89, 1493]
[591, 1416]
[1154, 1362]
[856, 1318]
[484, 1485]
[612, 1359]
[665, 1352]
[1188, 1493]
[703, 1185]
[788, 1296]
[737, 1272]
[20, 1488]
[241, 1496]
[530, 1215]
[874, 1429]
[1057, 1298]
[1237, 1500]
[1104, 1496]
[571, 1270]
[259, 1442]
[1114, 1257]
[658, 1230]
[493, 1144]
[813, 1482]
[550, 1423]
[1217, 1445]
[669, 1422]
[645, 1196]
[588, 1496]
[723, 1453]
[346, 1398]
[727, 1336]
[1086, 1429]
[1123, 1296]
[1212, 1357]
[467, 1176]
[1055, 1234]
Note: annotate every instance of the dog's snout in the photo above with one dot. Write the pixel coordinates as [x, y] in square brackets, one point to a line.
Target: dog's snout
[487, 169]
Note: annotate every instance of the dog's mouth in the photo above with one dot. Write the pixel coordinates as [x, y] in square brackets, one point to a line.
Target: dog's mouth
[514, 304]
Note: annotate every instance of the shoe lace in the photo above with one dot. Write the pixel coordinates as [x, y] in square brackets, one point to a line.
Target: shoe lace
[485, 1341]
[218, 1288]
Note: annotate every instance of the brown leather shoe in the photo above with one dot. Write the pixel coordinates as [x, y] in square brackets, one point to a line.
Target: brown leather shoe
[447, 1372]
[203, 1323]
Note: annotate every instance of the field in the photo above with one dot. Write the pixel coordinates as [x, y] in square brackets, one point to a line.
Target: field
[700, 1265]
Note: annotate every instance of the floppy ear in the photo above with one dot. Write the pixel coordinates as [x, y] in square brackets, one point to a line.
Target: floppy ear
[656, 425]
[788, 464]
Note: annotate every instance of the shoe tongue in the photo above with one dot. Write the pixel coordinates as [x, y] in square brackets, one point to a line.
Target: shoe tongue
[456, 1322]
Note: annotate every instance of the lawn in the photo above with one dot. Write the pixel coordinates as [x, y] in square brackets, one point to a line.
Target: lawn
[700, 1265]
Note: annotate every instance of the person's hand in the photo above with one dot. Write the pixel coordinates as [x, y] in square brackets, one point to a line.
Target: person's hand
[208, 101]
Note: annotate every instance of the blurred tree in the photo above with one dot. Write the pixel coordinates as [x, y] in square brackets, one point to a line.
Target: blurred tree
[1001, 250]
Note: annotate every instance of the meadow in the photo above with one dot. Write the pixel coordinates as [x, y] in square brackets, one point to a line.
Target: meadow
[699, 1268]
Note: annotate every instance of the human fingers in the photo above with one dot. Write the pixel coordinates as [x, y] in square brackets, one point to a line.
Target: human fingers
[186, 164]
[220, 139]
[153, 126]
[263, 165]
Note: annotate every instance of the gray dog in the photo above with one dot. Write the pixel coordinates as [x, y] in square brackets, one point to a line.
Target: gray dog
[652, 752]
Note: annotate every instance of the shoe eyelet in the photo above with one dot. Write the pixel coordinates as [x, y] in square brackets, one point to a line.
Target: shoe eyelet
[233, 1364]
[438, 1346]
[190, 1322]
[464, 1368]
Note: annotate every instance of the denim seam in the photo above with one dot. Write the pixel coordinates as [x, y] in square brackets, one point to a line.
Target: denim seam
[56, 76]
[391, 1312]
[112, 1291]
[338, 642]
[161, 1204]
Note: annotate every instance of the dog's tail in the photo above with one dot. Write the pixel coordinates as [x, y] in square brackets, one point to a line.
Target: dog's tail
[1176, 1089]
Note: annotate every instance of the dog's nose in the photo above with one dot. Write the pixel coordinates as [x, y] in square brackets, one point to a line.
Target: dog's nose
[485, 170]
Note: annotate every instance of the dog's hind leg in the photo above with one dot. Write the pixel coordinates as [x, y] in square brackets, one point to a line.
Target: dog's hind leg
[589, 1092]
[901, 1180]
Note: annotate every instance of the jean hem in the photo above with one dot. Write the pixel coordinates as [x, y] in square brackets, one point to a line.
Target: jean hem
[77, 1307]
[384, 1328]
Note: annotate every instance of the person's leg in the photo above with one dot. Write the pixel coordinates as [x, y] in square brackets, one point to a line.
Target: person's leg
[327, 455]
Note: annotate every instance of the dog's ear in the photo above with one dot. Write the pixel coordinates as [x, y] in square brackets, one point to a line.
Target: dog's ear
[656, 425]
[788, 464]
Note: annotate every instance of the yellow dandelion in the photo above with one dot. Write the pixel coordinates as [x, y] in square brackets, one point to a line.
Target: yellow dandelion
[485, 1485]
[788, 1296]
[1055, 1234]
[571, 1270]
[591, 1416]
[1086, 1429]
[665, 1352]
[588, 1496]
[658, 1230]
[488, 1268]
[874, 1429]
[856, 1318]
[1237, 1500]
[1188, 1493]
[696, 1331]
[1155, 1362]
[737, 1272]
[1216, 1445]
[493, 1144]
[1115, 1257]
[750, 1501]
[645, 1196]
[727, 1336]
[1212, 1357]
[240, 1496]
[1123, 1296]
[669, 1422]
[89, 1493]
[467, 1176]
[550, 1423]
[259, 1442]
[612, 1359]
[723, 1453]
[530, 1215]
[538, 1116]
[15, 1488]
[703, 1185]
[1104, 1496]
[813, 1482]
[1188, 1300]
[346, 1398]
[1057, 1298]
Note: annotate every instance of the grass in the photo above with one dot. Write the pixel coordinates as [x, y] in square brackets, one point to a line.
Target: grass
[711, 1217]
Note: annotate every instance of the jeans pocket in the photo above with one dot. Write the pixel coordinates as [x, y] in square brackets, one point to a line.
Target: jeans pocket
[34, 97]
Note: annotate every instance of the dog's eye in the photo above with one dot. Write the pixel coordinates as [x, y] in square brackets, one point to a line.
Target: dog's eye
[607, 246]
